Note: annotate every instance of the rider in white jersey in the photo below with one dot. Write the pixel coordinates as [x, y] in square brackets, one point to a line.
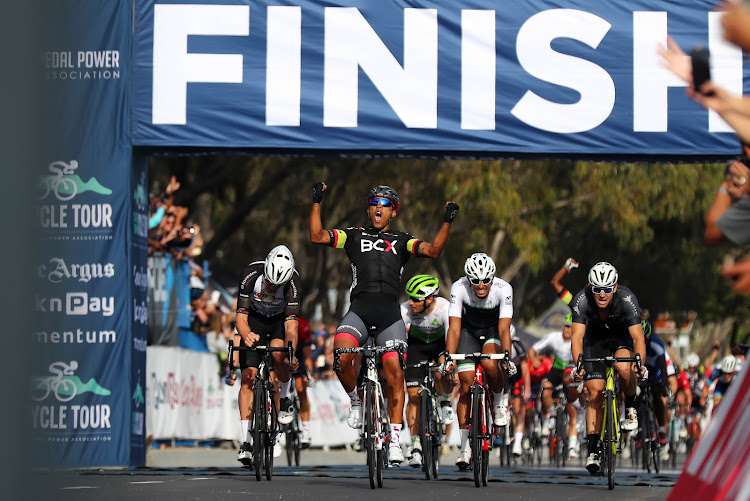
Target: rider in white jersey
[426, 318]
[480, 313]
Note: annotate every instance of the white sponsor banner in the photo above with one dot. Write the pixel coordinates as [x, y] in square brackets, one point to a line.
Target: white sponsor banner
[186, 399]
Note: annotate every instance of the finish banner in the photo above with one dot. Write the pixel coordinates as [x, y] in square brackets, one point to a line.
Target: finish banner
[534, 77]
[89, 298]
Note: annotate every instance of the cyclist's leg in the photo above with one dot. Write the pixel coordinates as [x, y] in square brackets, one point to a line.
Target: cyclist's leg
[352, 333]
[466, 344]
[394, 336]
[594, 347]
[495, 377]
[415, 353]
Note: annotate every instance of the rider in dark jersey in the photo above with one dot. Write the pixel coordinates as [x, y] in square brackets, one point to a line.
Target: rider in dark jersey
[268, 304]
[606, 321]
[377, 255]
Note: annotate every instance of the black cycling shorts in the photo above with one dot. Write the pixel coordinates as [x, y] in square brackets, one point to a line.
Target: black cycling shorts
[376, 313]
[417, 352]
[268, 328]
[598, 345]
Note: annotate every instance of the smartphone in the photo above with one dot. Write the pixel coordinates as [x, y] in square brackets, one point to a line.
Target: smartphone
[699, 57]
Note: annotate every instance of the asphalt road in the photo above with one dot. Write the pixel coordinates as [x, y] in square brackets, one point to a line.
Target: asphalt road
[214, 474]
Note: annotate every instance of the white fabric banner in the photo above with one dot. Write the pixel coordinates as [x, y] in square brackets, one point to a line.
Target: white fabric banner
[186, 400]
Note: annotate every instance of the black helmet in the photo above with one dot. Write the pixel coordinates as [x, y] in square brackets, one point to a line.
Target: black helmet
[385, 192]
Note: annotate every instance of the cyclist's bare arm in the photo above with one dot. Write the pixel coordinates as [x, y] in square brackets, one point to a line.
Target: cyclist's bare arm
[503, 327]
[536, 359]
[639, 342]
[433, 250]
[318, 235]
[454, 332]
[290, 334]
[243, 328]
[576, 342]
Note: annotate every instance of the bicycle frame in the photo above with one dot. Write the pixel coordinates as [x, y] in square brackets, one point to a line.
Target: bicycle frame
[376, 425]
[265, 415]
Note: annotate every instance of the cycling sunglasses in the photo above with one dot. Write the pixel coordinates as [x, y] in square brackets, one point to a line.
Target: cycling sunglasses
[602, 290]
[380, 201]
[476, 281]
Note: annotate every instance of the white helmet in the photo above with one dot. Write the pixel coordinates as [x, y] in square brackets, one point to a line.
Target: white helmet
[693, 360]
[479, 267]
[279, 265]
[603, 275]
[728, 364]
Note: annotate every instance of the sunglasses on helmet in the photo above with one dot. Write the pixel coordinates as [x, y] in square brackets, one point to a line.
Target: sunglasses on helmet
[602, 290]
[380, 201]
[477, 281]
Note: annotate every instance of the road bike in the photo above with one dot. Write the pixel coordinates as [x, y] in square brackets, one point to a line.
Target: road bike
[431, 426]
[558, 439]
[673, 429]
[647, 421]
[533, 431]
[293, 430]
[265, 415]
[376, 425]
[610, 444]
[481, 429]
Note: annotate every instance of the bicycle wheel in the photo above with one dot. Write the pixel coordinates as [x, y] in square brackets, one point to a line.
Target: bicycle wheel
[259, 421]
[646, 436]
[610, 436]
[425, 431]
[561, 431]
[370, 445]
[477, 415]
[435, 456]
[655, 459]
[268, 464]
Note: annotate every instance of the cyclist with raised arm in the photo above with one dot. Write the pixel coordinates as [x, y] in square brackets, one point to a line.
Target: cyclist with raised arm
[606, 321]
[479, 317]
[377, 255]
[267, 309]
[426, 317]
[563, 293]
[557, 344]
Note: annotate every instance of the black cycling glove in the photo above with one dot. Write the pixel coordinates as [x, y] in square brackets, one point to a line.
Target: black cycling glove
[450, 212]
[318, 193]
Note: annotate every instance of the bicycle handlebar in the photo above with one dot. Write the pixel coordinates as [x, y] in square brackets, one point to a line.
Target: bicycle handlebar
[609, 360]
[476, 356]
[258, 347]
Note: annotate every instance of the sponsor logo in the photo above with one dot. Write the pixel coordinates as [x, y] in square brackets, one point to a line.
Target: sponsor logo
[140, 312]
[186, 392]
[508, 300]
[140, 277]
[77, 336]
[58, 270]
[84, 65]
[76, 303]
[76, 220]
[140, 215]
[63, 385]
[139, 344]
[378, 245]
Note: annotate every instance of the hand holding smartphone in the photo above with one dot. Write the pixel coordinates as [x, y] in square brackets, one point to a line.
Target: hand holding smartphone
[699, 58]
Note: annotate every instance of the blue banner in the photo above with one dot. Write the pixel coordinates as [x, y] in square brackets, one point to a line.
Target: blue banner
[87, 295]
[530, 77]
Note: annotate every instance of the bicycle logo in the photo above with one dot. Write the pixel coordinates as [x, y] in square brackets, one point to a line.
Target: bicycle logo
[63, 187]
[61, 384]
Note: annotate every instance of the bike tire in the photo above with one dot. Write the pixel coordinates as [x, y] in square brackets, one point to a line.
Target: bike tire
[485, 466]
[609, 440]
[435, 459]
[268, 465]
[646, 436]
[382, 460]
[425, 431]
[297, 451]
[259, 421]
[370, 427]
[477, 416]
[562, 437]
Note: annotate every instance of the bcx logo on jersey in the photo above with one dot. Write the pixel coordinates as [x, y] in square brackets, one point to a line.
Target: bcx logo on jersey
[378, 245]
